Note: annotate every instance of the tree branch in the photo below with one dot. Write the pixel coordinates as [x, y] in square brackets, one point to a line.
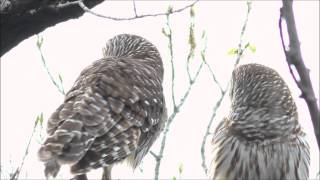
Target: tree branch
[16, 173]
[59, 85]
[294, 59]
[22, 19]
[240, 51]
[134, 8]
[169, 36]
[84, 7]
[177, 107]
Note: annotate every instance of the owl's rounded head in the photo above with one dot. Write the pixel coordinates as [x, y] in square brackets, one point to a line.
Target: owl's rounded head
[261, 103]
[259, 86]
[133, 46]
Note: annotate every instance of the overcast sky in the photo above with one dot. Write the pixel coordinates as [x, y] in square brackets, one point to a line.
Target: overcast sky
[27, 91]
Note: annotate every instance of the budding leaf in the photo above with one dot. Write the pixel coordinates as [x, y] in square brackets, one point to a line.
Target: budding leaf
[233, 51]
[169, 11]
[192, 13]
[39, 41]
[252, 48]
[39, 119]
[60, 78]
[180, 168]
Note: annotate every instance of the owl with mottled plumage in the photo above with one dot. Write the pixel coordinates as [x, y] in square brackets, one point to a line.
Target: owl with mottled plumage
[115, 111]
[261, 139]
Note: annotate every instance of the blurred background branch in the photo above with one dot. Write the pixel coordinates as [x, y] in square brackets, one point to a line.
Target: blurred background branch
[239, 52]
[176, 107]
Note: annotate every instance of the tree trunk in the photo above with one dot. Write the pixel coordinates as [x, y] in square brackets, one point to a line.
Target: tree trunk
[21, 19]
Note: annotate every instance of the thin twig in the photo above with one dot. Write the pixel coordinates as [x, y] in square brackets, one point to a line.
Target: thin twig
[59, 87]
[134, 8]
[241, 50]
[204, 140]
[16, 173]
[170, 120]
[243, 29]
[86, 9]
[154, 155]
[203, 57]
[169, 35]
[176, 110]
[294, 58]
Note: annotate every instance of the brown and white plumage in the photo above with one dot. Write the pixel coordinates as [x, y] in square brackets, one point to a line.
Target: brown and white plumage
[261, 138]
[114, 111]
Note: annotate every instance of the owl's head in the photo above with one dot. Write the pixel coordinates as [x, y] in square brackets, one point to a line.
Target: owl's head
[132, 46]
[260, 99]
[260, 86]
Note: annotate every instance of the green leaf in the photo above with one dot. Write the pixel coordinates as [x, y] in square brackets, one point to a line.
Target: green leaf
[204, 35]
[233, 51]
[174, 178]
[39, 41]
[180, 168]
[60, 78]
[247, 45]
[192, 13]
[166, 31]
[252, 48]
[39, 119]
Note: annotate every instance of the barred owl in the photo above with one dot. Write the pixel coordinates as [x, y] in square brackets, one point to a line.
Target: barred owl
[261, 138]
[114, 111]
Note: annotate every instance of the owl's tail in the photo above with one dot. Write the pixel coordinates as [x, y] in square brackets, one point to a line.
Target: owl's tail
[67, 145]
[52, 168]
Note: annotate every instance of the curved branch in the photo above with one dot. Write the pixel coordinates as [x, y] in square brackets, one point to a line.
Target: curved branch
[22, 19]
[294, 59]
[136, 16]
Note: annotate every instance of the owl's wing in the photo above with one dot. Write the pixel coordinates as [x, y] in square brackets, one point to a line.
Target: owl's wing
[112, 111]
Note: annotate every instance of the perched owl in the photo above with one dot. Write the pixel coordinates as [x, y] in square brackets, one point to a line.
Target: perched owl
[261, 139]
[114, 112]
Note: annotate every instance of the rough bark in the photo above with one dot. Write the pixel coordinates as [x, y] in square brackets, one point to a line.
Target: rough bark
[294, 58]
[21, 19]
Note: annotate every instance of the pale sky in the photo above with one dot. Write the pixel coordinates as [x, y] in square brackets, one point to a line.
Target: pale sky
[26, 89]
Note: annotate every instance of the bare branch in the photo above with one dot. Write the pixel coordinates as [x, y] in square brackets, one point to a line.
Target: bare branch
[177, 107]
[294, 59]
[241, 50]
[86, 9]
[170, 120]
[169, 36]
[203, 57]
[154, 155]
[16, 173]
[20, 19]
[204, 140]
[59, 86]
[134, 8]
